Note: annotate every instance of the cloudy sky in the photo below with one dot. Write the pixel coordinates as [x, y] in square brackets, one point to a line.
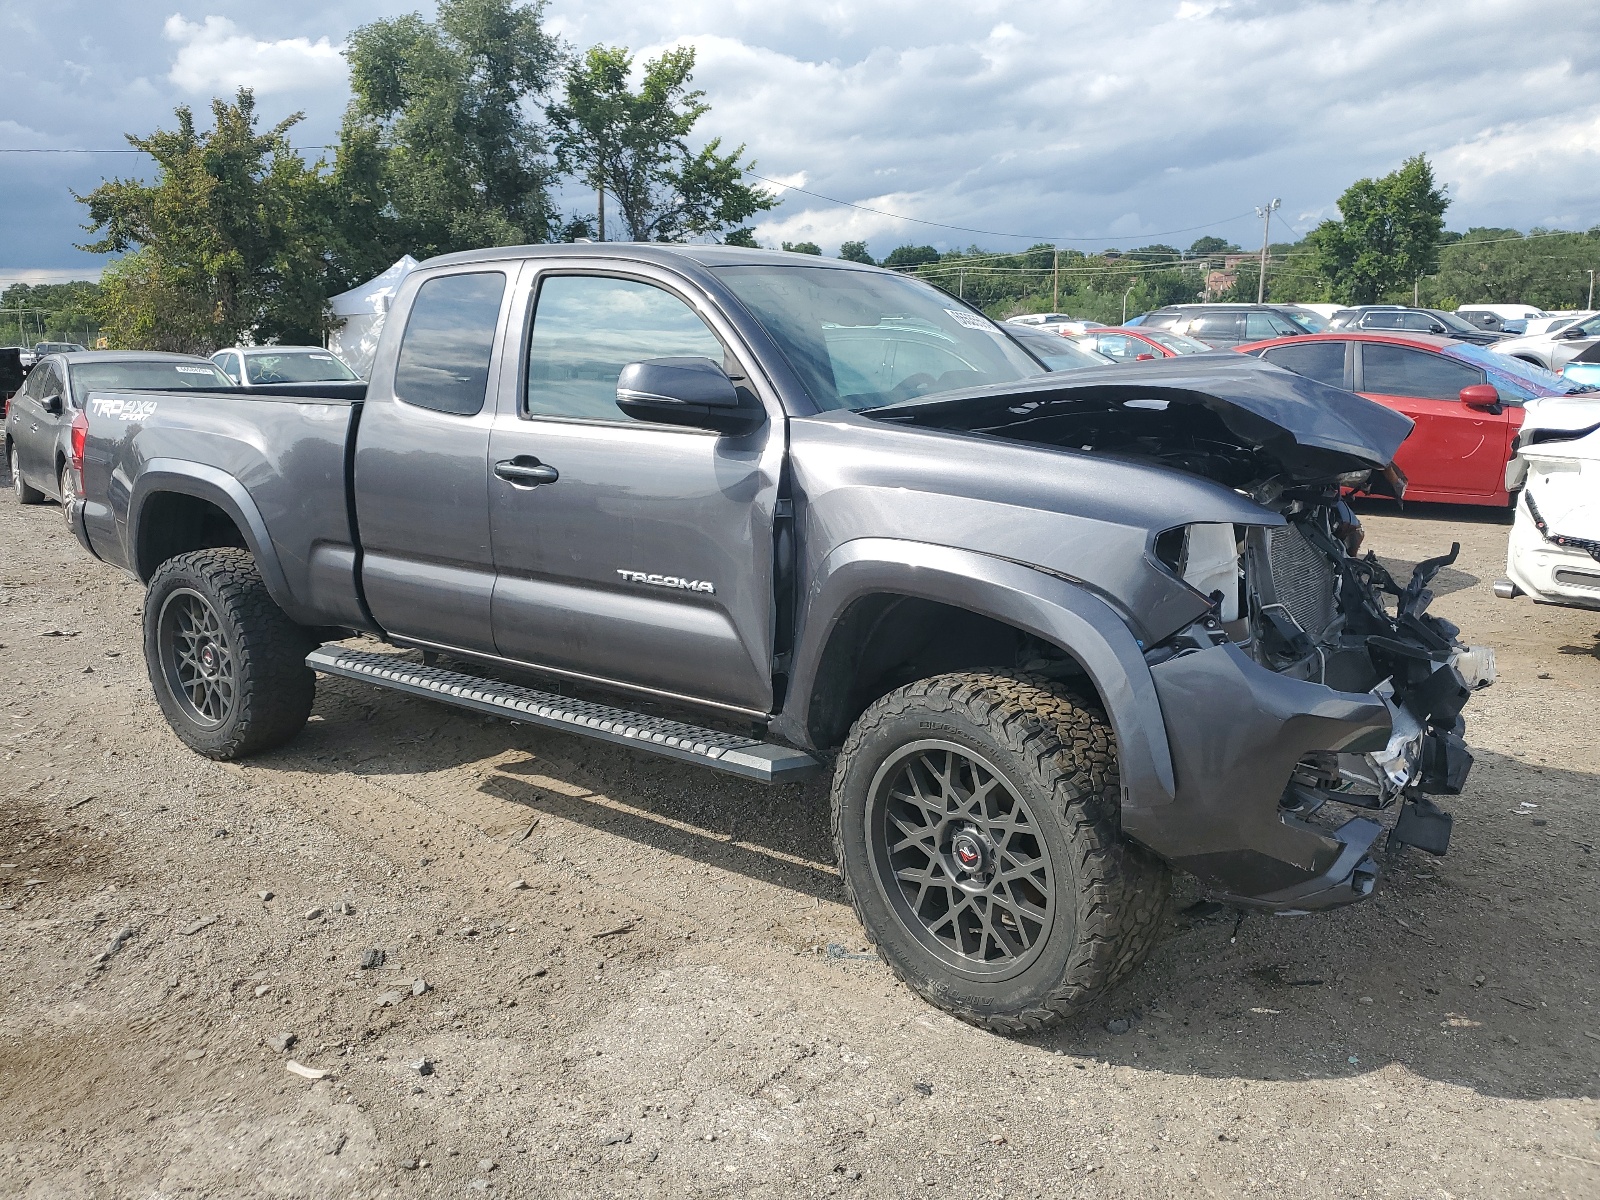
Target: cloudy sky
[1085, 122]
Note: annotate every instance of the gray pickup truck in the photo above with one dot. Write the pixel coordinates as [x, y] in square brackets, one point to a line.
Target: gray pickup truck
[1057, 635]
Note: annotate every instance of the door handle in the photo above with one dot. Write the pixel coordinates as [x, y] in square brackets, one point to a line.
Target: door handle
[526, 471]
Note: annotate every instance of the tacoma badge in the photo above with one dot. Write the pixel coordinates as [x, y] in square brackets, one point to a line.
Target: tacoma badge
[668, 581]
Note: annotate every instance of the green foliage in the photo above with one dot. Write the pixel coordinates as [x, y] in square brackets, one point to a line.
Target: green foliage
[632, 145]
[1487, 266]
[856, 252]
[231, 241]
[802, 247]
[1209, 246]
[1388, 235]
[743, 236]
[438, 151]
[49, 312]
[911, 256]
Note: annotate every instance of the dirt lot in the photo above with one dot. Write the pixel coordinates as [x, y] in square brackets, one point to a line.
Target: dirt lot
[633, 978]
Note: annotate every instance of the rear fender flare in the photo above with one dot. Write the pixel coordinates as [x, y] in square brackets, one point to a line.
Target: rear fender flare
[166, 476]
[1064, 614]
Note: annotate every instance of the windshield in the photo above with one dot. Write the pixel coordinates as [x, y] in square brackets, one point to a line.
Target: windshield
[1056, 352]
[152, 374]
[296, 366]
[1525, 380]
[1175, 342]
[860, 339]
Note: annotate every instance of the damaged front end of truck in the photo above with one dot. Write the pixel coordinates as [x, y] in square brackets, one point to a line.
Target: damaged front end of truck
[1312, 691]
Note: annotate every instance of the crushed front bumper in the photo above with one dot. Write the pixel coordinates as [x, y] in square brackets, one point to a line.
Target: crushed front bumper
[1241, 733]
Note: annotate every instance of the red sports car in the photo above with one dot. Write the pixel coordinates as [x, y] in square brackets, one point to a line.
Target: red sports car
[1135, 345]
[1466, 402]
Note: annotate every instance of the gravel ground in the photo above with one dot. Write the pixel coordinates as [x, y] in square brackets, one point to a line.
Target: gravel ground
[608, 975]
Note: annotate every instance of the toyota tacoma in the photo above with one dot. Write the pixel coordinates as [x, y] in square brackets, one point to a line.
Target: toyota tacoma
[1057, 636]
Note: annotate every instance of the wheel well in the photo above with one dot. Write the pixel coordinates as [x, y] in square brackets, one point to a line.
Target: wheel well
[172, 523]
[885, 641]
[1528, 358]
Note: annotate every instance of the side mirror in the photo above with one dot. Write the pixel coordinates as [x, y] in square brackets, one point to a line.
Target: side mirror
[51, 404]
[1572, 333]
[695, 392]
[1481, 396]
[1144, 358]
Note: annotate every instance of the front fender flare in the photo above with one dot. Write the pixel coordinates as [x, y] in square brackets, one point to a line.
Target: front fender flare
[161, 476]
[1064, 614]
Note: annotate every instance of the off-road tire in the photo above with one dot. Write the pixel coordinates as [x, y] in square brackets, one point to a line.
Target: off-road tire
[24, 493]
[1058, 753]
[273, 689]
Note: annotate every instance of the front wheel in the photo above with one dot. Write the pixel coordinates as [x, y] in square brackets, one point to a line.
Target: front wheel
[975, 818]
[23, 493]
[227, 665]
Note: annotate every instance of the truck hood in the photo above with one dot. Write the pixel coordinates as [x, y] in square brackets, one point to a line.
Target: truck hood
[1166, 411]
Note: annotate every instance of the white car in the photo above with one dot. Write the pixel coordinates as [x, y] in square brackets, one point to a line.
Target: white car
[1555, 349]
[1556, 321]
[1554, 553]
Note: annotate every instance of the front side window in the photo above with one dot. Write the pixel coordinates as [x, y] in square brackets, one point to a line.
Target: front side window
[586, 328]
[865, 339]
[1258, 326]
[1322, 361]
[1401, 371]
[444, 355]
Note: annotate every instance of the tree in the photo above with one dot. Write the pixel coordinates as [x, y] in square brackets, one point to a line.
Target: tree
[229, 242]
[633, 145]
[744, 236]
[49, 312]
[802, 247]
[438, 145]
[856, 252]
[1208, 246]
[1387, 238]
[911, 256]
[1548, 269]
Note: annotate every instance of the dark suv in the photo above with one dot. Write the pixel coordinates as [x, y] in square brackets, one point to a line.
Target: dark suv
[1223, 325]
[1399, 318]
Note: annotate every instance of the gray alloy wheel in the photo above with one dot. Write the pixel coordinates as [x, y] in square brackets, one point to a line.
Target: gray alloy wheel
[196, 658]
[23, 493]
[68, 490]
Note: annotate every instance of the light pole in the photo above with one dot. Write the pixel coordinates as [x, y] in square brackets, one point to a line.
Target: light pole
[1129, 292]
[1266, 229]
[1591, 288]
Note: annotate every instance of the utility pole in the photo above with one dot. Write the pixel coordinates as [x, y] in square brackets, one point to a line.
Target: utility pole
[1416, 290]
[1055, 283]
[1591, 288]
[1125, 296]
[600, 202]
[961, 283]
[1266, 230]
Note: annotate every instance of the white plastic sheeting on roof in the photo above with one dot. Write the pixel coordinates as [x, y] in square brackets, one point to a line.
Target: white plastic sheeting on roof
[359, 315]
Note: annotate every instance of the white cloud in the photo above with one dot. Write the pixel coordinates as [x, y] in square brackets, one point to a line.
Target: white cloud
[215, 55]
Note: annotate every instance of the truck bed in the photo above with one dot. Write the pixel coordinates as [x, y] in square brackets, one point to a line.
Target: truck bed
[275, 461]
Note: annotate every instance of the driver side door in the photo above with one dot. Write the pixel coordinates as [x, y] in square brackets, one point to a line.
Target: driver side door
[639, 555]
[34, 427]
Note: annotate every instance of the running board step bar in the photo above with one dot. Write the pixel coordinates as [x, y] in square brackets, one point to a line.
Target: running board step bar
[766, 761]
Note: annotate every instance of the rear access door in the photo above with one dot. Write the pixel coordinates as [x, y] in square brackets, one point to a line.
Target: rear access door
[629, 553]
[1455, 453]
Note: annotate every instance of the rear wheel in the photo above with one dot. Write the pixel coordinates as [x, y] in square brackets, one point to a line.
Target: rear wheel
[68, 491]
[976, 824]
[227, 665]
[23, 493]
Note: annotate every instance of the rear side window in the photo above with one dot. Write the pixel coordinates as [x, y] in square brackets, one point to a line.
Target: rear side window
[1258, 326]
[1400, 371]
[444, 355]
[1322, 361]
[1216, 327]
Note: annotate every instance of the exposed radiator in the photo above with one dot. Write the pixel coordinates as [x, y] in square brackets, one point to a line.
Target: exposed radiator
[1303, 580]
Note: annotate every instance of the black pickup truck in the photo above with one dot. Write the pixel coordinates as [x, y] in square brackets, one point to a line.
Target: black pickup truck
[1057, 635]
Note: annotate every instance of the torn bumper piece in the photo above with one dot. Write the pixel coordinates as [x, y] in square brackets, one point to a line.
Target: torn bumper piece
[1238, 732]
